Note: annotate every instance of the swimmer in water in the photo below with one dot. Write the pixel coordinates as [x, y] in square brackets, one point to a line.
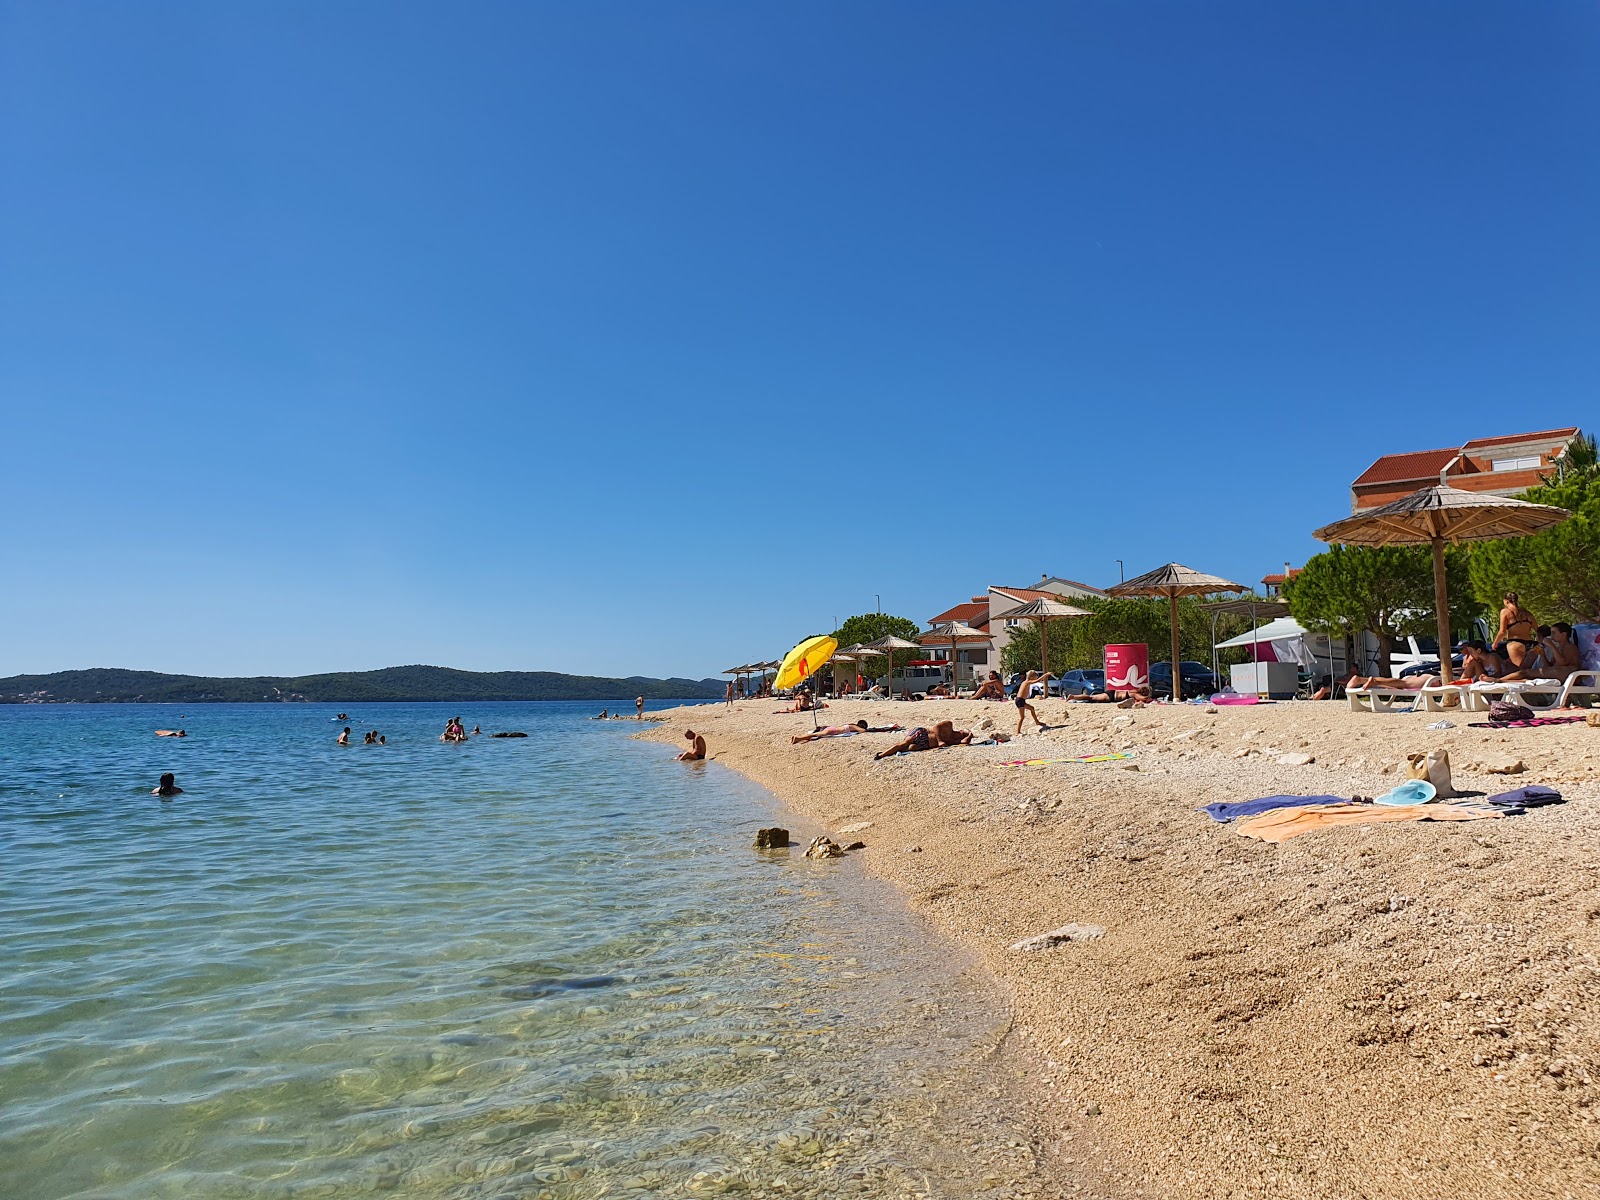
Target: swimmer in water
[169, 786]
[638, 703]
[171, 733]
[344, 738]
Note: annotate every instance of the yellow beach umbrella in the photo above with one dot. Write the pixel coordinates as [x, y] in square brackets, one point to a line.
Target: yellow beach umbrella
[804, 661]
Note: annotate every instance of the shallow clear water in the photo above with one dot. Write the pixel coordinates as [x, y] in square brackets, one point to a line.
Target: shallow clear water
[542, 967]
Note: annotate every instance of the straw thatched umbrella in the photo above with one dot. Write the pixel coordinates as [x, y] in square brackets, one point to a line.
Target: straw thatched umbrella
[1043, 612]
[953, 634]
[1437, 515]
[1172, 581]
[888, 644]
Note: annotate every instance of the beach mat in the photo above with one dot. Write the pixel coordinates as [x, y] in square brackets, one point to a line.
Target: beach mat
[1050, 762]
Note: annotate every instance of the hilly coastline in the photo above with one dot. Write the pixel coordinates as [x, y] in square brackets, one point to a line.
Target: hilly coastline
[110, 685]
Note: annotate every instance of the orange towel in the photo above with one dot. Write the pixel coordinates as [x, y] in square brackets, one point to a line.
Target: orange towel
[1281, 824]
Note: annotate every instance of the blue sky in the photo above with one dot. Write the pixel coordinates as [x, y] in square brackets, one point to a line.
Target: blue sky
[646, 338]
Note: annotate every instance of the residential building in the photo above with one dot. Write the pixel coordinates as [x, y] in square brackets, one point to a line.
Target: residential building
[1272, 585]
[987, 612]
[1497, 466]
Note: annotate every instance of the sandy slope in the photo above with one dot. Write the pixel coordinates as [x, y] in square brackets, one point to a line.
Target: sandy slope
[1393, 1011]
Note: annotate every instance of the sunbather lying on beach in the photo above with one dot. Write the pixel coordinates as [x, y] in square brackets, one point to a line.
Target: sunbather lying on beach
[1120, 699]
[1411, 683]
[938, 691]
[942, 734]
[844, 731]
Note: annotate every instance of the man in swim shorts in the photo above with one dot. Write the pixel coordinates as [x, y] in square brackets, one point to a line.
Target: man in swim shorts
[344, 738]
[697, 751]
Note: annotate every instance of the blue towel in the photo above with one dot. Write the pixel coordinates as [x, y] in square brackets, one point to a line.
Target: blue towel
[1533, 796]
[1249, 808]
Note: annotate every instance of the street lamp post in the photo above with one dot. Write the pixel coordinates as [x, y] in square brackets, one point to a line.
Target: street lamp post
[1121, 578]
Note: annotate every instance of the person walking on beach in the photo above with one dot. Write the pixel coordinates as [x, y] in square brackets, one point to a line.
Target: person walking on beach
[1024, 709]
[697, 751]
[168, 786]
[638, 703]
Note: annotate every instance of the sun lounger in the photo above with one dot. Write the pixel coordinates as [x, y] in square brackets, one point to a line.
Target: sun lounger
[1533, 693]
[1379, 699]
[1575, 687]
[1447, 697]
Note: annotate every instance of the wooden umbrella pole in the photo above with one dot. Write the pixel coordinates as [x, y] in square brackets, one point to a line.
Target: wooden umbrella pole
[1442, 605]
[1044, 654]
[1177, 691]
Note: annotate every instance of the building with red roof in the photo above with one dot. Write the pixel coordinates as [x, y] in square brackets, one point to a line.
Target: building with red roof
[1498, 466]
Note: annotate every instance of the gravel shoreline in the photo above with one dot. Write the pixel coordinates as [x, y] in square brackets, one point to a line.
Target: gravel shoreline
[1389, 1011]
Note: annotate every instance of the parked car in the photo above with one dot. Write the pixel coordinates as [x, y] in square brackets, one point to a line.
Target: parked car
[1431, 667]
[1195, 679]
[1080, 683]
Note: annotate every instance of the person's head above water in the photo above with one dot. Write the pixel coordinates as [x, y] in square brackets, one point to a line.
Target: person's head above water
[168, 787]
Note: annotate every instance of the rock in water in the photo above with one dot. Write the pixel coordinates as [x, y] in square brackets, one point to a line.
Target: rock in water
[508, 735]
[824, 847]
[1059, 937]
[771, 839]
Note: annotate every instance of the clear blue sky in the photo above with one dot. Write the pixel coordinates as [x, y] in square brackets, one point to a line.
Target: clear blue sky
[590, 337]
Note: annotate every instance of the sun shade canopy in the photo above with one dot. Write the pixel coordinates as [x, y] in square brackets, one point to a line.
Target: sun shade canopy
[1442, 512]
[803, 661]
[1174, 580]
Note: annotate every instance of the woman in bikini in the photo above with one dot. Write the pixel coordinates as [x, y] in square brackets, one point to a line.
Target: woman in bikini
[1516, 636]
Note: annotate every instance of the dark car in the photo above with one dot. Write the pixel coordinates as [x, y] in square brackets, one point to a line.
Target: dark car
[1080, 683]
[1432, 667]
[1195, 678]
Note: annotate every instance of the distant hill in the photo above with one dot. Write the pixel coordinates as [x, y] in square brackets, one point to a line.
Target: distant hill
[110, 685]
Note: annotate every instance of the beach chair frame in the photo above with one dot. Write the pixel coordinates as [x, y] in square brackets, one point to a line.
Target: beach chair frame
[1380, 699]
[1573, 688]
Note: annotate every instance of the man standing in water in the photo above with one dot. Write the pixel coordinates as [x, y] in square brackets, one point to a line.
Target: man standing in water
[344, 738]
[697, 751]
[638, 703]
[169, 786]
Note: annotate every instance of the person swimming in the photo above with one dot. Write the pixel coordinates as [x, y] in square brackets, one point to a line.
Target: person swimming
[168, 786]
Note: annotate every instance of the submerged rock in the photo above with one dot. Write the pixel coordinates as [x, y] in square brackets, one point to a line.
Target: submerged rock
[512, 734]
[824, 847]
[771, 839]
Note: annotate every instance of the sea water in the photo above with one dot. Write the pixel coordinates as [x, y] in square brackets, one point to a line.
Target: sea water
[540, 967]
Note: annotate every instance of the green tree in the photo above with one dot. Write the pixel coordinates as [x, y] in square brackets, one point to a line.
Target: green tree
[869, 627]
[1556, 574]
[1384, 590]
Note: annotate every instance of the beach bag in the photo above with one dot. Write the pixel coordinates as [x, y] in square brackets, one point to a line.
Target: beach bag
[1434, 766]
[1501, 711]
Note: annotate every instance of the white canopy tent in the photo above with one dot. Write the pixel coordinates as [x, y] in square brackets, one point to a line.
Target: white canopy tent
[1288, 638]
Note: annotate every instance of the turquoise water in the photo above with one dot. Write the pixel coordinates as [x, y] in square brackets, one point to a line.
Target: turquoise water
[545, 967]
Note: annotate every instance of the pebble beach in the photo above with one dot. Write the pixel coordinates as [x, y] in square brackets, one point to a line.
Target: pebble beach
[1381, 1011]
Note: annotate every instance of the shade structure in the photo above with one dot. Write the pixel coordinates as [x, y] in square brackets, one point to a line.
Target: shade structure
[1437, 515]
[1172, 581]
[804, 661]
[885, 647]
[1043, 612]
[953, 634]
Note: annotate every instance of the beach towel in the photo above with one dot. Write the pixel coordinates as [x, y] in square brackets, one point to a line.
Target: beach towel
[1521, 799]
[1529, 724]
[1232, 810]
[1224, 698]
[1050, 762]
[1282, 824]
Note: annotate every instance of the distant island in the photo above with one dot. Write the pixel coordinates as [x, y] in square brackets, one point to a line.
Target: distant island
[110, 685]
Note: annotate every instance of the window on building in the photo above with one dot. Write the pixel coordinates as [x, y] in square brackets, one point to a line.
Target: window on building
[1011, 624]
[1528, 462]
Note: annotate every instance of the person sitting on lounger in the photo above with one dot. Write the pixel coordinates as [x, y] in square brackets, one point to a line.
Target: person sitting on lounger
[1480, 662]
[991, 688]
[1561, 652]
[844, 731]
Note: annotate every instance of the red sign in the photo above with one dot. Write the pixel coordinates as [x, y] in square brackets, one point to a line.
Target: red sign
[1127, 667]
